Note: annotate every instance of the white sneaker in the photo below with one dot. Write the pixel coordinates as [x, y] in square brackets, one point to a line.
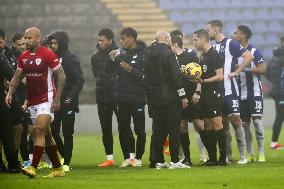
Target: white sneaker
[136, 163]
[125, 163]
[162, 165]
[243, 161]
[178, 165]
[66, 168]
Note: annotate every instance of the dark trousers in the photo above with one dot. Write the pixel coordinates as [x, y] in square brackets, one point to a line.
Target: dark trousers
[167, 122]
[279, 118]
[66, 118]
[127, 142]
[152, 157]
[105, 111]
[6, 136]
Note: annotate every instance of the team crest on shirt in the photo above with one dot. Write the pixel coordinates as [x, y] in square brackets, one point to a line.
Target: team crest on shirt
[38, 61]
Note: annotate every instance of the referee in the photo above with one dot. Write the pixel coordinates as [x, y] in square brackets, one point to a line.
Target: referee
[211, 100]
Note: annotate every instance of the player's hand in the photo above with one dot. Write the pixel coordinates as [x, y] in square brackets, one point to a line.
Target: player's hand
[125, 66]
[195, 98]
[233, 75]
[113, 54]
[55, 105]
[184, 103]
[8, 100]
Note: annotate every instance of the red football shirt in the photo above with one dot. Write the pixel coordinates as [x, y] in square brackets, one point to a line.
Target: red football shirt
[39, 67]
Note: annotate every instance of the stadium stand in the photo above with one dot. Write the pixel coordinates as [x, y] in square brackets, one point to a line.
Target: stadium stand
[266, 18]
[82, 19]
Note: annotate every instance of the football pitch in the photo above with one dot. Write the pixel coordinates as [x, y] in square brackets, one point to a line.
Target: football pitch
[88, 152]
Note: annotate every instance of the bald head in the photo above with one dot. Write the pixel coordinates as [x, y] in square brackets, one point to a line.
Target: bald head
[33, 31]
[163, 37]
[32, 37]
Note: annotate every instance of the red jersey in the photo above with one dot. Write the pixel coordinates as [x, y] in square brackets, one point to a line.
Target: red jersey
[39, 67]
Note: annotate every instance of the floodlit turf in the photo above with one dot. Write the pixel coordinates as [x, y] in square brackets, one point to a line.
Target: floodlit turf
[88, 152]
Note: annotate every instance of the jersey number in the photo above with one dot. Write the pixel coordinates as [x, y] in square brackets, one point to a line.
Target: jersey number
[258, 105]
[235, 103]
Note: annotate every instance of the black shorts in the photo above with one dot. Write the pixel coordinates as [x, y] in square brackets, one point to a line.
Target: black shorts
[16, 113]
[211, 104]
[252, 107]
[191, 112]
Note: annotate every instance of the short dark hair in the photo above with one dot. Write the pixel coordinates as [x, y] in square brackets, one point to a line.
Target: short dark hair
[245, 30]
[202, 33]
[176, 32]
[17, 37]
[178, 40]
[128, 31]
[108, 33]
[216, 23]
[2, 34]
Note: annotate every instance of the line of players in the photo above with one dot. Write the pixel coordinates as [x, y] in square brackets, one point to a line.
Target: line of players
[242, 66]
[242, 98]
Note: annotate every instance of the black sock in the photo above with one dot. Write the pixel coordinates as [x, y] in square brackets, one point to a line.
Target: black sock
[17, 155]
[212, 144]
[204, 139]
[1, 160]
[185, 143]
[221, 138]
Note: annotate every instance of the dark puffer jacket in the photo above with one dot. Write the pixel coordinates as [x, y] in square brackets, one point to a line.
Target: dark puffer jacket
[74, 76]
[105, 74]
[131, 86]
[273, 72]
[163, 76]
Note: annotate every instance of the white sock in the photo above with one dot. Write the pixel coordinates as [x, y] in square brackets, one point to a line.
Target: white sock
[31, 157]
[241, 141]
[229, 144]
[259, 133]
[248, 136]
[132, 155]
[110, 157]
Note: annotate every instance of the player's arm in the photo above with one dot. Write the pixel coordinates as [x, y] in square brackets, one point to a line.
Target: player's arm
[259, 69]
[17, 78]
[247, 58]
[60, 82]
[196, 95]
[217, 78]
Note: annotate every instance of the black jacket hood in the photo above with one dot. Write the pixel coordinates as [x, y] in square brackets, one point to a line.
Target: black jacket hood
[62, 39]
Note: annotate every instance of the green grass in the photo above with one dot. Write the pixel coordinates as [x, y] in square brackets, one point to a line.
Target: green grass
[88, 152]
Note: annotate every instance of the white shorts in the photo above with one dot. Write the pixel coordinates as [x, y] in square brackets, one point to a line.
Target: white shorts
[43, 108]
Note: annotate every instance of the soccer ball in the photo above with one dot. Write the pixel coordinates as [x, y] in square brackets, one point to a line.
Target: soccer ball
[193, 71]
